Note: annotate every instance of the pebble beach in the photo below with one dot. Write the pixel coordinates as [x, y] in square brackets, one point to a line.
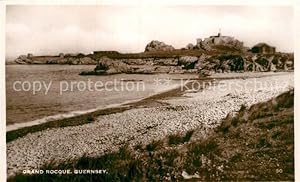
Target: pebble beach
[201, 109]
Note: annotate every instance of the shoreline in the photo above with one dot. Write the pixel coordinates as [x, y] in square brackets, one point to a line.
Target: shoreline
[152, 119]
[145, 102]
[21, 129]
[77, 113]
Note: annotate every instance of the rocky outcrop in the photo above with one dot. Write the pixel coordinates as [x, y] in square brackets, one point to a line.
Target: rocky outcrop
[216, 54]
[204, 65]
[217, 43]
[86, 60]
[60, 59]
[156, 45]
[107, 66]
[23, 60]
[114, 66]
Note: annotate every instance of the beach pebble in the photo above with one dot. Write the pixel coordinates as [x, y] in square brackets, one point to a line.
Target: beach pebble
[203, 109]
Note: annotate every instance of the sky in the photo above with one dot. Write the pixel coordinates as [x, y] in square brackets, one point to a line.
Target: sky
[50, 29]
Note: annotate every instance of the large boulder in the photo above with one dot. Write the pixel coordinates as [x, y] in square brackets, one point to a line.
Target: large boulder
[111, 66]
[156, 45]
[187, 62]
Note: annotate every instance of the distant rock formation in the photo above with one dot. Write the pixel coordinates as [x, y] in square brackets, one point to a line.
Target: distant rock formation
[217, 42]
[215, 54]
[156, 45]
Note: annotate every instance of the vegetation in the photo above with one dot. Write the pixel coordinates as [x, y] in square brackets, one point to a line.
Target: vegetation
[256, 144]
[161, 54]
[176, 139]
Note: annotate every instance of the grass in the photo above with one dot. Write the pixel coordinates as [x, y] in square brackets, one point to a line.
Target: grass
[158, 54]
[256, 144]
[176, 139]
[154, 145]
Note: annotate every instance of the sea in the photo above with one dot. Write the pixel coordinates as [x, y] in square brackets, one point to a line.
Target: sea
[48, 92]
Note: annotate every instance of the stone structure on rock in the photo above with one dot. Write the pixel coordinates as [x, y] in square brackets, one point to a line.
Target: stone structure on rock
[217, 42]
[263, 48]
[156, 45]
[214, 41]
[216, 54]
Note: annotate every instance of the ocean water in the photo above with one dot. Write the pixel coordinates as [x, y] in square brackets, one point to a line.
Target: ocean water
[37, 92]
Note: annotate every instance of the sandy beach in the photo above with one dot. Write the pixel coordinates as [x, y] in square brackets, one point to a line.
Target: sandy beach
[197, 108]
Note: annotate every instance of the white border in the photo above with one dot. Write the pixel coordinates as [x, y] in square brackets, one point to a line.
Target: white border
[2, 95]
[3, 4]
[149, 2]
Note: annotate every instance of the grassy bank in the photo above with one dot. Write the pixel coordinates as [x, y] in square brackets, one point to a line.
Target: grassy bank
[256, 144]
[163, 54]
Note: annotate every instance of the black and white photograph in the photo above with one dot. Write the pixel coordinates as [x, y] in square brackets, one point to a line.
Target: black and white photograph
[148, 92]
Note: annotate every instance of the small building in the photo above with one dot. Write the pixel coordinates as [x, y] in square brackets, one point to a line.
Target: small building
[263, 48]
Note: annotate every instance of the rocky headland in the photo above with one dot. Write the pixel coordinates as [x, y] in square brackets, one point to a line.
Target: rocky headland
[216, 54]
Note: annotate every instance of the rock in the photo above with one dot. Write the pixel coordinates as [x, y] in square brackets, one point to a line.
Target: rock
[147, 61]
[20, 61]
[87, 60]
[106, 66]
[199, 43]
[188, 59]
[61, 55]
[205, 73]
[113, 66]
[143, 70]
[166, 62]
[201, 61]
[190, 46]
[186, 176]
[214, 42]
[191, 71]
[156, 45]
[187, 62]
[176, 70]
[162, 69]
